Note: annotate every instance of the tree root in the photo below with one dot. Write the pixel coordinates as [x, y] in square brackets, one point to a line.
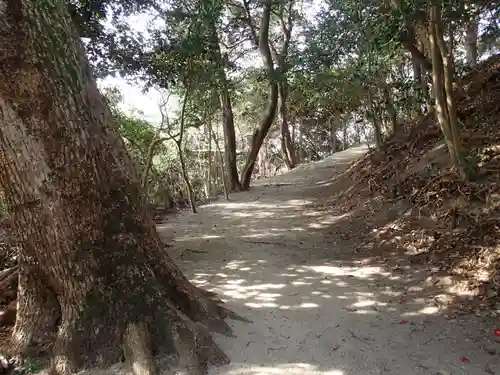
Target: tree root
[185, 328]
[137, 349]
[196, 349]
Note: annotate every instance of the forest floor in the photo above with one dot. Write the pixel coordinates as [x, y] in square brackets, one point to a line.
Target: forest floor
[320, 302]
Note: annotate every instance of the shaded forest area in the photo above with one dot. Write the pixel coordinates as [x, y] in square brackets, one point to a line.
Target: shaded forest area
[248, 89]
[420, 210]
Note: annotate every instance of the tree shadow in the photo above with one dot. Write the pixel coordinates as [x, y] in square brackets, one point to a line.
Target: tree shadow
[320, 303]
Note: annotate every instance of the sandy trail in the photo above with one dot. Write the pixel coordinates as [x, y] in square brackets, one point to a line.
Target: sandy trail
[314, 308]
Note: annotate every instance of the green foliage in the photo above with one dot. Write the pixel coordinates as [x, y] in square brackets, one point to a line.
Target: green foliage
[348, 64]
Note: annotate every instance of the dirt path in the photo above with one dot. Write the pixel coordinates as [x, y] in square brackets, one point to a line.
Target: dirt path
[315, 309]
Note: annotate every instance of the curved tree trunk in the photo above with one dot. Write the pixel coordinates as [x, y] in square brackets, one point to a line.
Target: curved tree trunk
[270, 113]
[88, 246]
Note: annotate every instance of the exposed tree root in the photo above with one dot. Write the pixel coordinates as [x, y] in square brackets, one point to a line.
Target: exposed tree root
[182, 329]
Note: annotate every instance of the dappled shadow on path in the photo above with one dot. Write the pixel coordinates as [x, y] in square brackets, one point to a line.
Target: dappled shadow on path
[318, 305]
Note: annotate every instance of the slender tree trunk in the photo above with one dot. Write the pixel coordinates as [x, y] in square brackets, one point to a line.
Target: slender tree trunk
[285, 16]
[344, 136]
[415, 62]
[209, 173]
[391, 110]
[270, 113]
[471, 42]
[375, 121]
[334, 138]
[229, 139]
[287, 147]
[227, 111]
[214, 137]
[87, 243]
[442, 78]
[149, 161]
[417, 74]
[180, 150]
[185, 177]
[451, 106]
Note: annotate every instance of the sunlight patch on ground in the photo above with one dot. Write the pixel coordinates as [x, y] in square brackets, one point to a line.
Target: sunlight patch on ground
[328, 221]
[365, 303]
[255, 215]
[303, 305]
[241, 206]
[236, 290]
[261, 304]
[358, 272]
[194, 238]
[284, 369]
[277, 233]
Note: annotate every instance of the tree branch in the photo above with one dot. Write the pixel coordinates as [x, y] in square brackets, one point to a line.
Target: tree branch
[248, 19]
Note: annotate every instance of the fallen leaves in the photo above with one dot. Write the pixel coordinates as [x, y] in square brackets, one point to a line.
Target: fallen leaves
[451, 225]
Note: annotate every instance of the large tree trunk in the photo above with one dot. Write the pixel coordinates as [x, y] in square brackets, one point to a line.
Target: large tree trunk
[270, 113]
[91, 257]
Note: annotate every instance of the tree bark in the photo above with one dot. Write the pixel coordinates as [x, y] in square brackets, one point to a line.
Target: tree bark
[185, 177]
[180, 150]
[227, 111]
[213, 136]
[415, 62]
[229, 138]
[417, 73]
[287, 147]
[442, 78]
[471, 42]
[375, 121]
[270, 113]
[332, 127]
[391, 110]
[448, 73]
[149, 161]
[208, 180]
[87, 243]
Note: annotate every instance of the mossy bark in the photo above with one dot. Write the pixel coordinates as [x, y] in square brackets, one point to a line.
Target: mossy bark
[91, 257]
